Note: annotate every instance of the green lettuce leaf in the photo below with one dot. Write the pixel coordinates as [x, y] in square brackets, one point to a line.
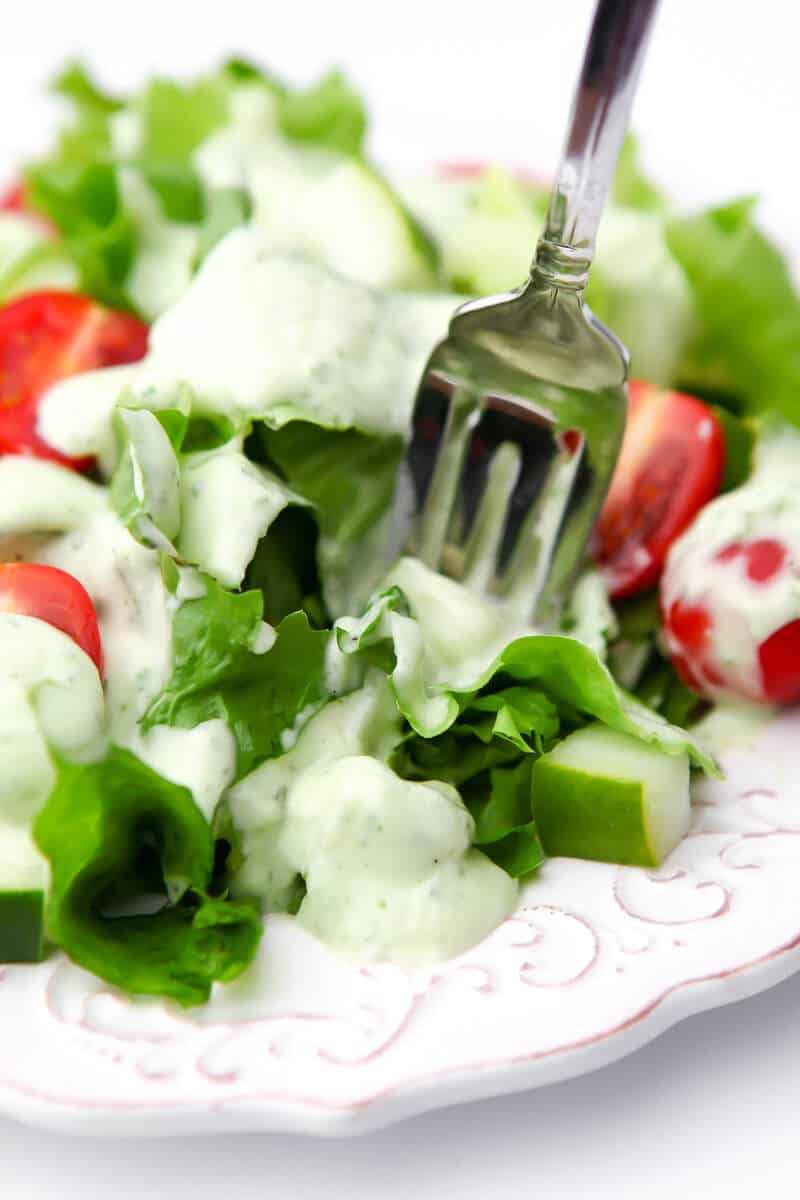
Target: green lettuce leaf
[83, 201]
[114, 832]
[456, 756]
[145, 487]
[505, 829]
[174, 118]
[329, 113]
[87, 135]
[219, 672]
[432, 686]
[349, 478]
[208, 508]
[284, 568]
[749, 311]
[520, 715]
[631, 187]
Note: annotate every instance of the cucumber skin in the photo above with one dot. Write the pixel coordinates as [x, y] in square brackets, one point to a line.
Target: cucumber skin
[603, 821]
[21, 926]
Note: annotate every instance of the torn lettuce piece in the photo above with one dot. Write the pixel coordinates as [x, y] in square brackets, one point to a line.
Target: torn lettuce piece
[228, 664]
[262, 336]
[227, 503]
[748, 341]
[145, 488]
[284, 568]
[432, 683]
[349, 479]
[86, 133]
[328, 113]
[521, 715]
[115, 833]
[207, 508]
[83, 200]
[505, 828]
[166, 249]
[486, 226]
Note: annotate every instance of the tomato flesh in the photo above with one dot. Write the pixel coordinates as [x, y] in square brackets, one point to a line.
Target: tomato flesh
[670, 465]
[779, 657]
[14, 199]
[52, 595]
[44, 337]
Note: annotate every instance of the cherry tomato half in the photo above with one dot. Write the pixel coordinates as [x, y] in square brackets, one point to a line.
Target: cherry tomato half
[670, 465]
[743, 577]
[44, 337]
[35, 590]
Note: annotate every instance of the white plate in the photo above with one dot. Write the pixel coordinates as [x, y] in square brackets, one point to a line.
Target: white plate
[596, 961]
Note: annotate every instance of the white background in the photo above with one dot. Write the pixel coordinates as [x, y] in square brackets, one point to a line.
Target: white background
[712, 1109]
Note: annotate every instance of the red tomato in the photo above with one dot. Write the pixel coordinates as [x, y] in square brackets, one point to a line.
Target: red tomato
[34, 590]
[743, 577]
[46, 336]
[13, 198]
[670, 465]
[779, 657]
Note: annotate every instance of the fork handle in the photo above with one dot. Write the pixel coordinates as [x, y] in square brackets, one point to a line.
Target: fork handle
[598, 121]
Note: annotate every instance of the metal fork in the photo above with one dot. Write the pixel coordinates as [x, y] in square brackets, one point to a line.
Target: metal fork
[521, 409]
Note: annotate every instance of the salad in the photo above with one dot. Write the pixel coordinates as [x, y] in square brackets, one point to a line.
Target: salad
[218, 701]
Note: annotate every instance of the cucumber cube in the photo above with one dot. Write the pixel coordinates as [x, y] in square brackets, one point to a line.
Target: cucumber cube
[610, 797]
[21, 926]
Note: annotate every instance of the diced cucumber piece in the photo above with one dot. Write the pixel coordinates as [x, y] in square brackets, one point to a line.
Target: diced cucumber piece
[23, 884]
[610, 797]
[339, 211]
[21, 926]
[487, 227]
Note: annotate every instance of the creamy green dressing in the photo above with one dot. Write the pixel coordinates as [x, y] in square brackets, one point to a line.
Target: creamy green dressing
[387, 864]
[227, 505]
[75, 414]
[135, 612]
[259, 335]
[262, 335]
[165, 250]
[43, 497]
[50, 694]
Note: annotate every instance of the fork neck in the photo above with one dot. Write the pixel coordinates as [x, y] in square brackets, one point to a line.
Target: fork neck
[598, 121]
